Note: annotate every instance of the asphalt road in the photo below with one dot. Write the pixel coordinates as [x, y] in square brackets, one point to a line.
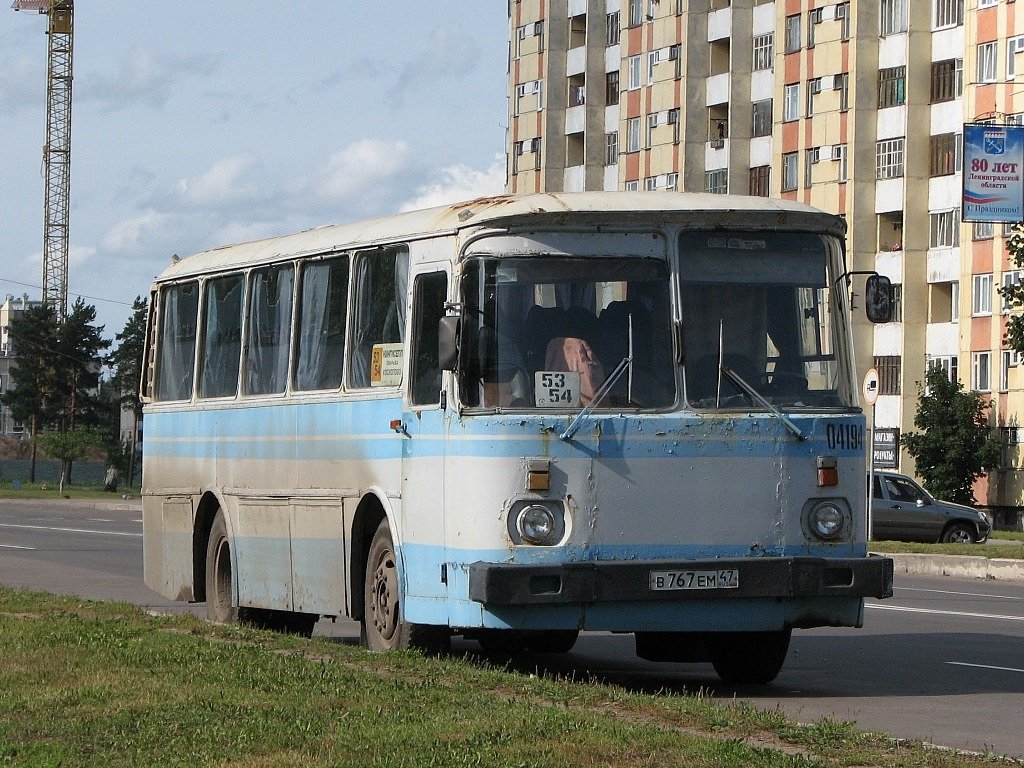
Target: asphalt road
[942, 661]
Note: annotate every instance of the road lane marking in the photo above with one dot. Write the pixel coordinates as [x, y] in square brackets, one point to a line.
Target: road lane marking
[69, 530]
[937, 612]
[13, 546]
[984, 666]
[947, 592]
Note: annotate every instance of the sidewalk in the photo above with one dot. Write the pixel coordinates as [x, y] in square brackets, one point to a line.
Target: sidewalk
[133, 504]
[962, 566]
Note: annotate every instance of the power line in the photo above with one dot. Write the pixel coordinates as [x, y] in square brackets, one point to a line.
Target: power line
[80, 295]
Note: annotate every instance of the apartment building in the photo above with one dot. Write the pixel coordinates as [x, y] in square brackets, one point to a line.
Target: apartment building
[856, 108]
[10, 310]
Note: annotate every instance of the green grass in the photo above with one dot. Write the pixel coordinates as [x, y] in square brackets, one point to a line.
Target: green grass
[47, 491]
[93, 684]
[1011, 535]
[1014, 551]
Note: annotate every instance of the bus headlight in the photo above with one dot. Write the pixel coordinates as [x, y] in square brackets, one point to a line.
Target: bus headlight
[827, 521]
[537, 525]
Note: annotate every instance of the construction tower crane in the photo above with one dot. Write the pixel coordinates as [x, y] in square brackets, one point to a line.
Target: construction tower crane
[57, 150]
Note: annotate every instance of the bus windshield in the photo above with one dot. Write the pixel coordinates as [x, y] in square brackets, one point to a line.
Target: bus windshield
[756, 310]
[563, 333]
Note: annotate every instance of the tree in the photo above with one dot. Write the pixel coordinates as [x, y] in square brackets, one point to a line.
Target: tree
[68, 447]
[955, 444]
[126, 363]
[34, 338]
[79, 349]
[1013, 293]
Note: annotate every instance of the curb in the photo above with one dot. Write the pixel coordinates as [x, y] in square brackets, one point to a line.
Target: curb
[962, 566]
[118, 505]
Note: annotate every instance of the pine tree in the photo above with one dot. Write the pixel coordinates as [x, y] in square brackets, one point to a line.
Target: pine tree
[955, 444]
[126, 364]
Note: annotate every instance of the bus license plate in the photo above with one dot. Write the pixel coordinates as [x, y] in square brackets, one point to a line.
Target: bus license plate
[728, 578]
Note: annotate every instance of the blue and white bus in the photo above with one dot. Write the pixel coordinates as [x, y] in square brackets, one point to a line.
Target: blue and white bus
[516, 418]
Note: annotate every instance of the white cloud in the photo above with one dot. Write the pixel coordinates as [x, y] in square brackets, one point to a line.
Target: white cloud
[239, 232]
[79, 254]
[224, 182]
[127, 234]
[23, 84]
[458, 183]
[364, 167]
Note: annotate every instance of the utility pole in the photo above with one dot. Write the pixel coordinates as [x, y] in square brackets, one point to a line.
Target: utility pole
[57, 150]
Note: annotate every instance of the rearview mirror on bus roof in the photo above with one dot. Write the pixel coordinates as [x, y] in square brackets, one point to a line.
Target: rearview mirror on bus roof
[448, 342]
[878, 299]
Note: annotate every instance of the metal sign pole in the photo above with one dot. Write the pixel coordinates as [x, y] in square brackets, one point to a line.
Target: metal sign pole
[870, 392]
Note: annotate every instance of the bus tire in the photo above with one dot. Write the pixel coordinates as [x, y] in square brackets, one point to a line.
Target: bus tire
[220, 579]
[552, 640]
[749, 658]
[383, 627]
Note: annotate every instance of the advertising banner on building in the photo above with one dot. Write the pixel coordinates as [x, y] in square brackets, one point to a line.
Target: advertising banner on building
[887, 448]
[993, 173]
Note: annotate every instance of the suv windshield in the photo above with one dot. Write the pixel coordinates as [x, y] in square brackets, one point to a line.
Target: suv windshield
[756, 308]
[548, 332]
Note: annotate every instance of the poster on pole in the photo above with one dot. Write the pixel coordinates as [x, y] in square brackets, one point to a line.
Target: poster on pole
[993, 173]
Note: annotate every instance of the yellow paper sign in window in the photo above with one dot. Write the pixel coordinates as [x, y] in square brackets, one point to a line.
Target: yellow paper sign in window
[386, 365]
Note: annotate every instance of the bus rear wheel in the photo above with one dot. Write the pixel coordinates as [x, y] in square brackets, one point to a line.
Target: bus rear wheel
[219, 576]
[384, 628]
[749, 658]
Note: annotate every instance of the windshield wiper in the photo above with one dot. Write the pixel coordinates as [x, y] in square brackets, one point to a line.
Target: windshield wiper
[759, 398]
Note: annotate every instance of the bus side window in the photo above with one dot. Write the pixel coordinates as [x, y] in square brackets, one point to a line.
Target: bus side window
[380, 287]
[175, 363]
[222, 337]
[269, 328]
[429, 294]
[320, 341]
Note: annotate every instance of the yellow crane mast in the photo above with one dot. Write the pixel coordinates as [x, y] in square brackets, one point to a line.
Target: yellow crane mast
[57, 150]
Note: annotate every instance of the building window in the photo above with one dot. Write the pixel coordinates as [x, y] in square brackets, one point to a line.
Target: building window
[897, 303]
[1007, 360]
[954, 301]
[634, 70]
[632, 186]
[811, 158]
[525, 32]
[791, 102]
[764, 52]
[839, 154]
[987, 3]
[889, 159]
[947, 81]
[793, 33]
[636, 13]
[1014, 45]
[843, 15]
[892, 87]
[987, 55]
[761, 118]
[814, 17]
[948, 364]
[633, 134]
[888, 367]
[717, 182]
[760, 180]
[611, 29]
[1009, 280]
[841, 83]
[611, 148]
[944, 227]
[892, 17]
[983, 230]
[789, 171]
[949, 13]
[533, 91]
[813, 88]
[611, 88]
[945, 154]
[981, 295]
[981, 363]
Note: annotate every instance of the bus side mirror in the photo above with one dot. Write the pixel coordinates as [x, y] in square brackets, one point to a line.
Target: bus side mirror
[878, 301]
[448, 342]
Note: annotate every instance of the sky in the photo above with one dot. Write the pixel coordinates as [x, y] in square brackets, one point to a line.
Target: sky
[200, 124]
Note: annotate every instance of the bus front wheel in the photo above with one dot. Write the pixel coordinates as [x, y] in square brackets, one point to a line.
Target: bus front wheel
[384, 628]
[748, 658]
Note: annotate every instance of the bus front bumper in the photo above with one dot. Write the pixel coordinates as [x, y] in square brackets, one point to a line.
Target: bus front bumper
[510, 584]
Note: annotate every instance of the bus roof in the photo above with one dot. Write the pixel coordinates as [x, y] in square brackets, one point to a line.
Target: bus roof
[707, 211]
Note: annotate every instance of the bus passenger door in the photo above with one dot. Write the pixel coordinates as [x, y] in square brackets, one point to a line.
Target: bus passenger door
[423, 448]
